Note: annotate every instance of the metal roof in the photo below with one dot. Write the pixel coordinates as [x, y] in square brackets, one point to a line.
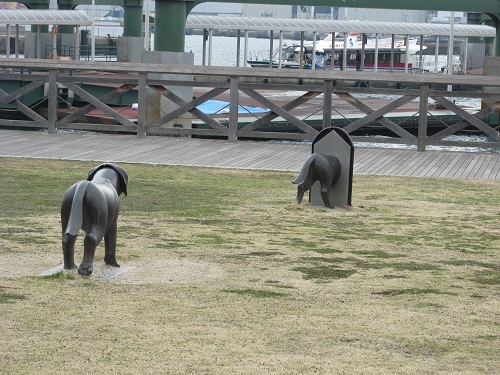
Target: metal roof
[74, 17]
[356, 26]
[44, 17]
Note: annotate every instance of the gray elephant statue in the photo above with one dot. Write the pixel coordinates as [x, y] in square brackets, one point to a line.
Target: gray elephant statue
[318, 167]
[93, 205]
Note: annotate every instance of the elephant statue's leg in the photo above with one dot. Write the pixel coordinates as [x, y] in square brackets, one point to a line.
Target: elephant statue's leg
[110, 246]
[300, 193]
[326, 199]
[325, 191]
[90, 243]
[68, 245]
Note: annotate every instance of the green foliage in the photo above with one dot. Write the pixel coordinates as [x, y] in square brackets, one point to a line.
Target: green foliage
[322, 273]
[255, 293]
[377, 254]
[60, 275]
[9, 297]
[410, 291]
[487, 277]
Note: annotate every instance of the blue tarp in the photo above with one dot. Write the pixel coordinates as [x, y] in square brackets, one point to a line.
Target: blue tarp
[213, 107]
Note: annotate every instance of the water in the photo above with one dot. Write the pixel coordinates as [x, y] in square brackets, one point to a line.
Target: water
[224, 49]
[458, 137]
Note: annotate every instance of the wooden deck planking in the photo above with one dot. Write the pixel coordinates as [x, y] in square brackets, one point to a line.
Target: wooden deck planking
[415, 162]
[488, 171]
[435, 165]
[403, 158]
[382, 163]
[448, 159]
[280, 156]
[426, 161]
[427, 164]
[461, 166]
[495, 173]
[368, 160]
[471, 166]
[480, 166]
[455, 159]
[487, 168]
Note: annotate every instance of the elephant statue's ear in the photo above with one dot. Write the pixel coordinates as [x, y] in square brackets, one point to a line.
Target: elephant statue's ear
[122, 174]
[123, 179]
[92, 172]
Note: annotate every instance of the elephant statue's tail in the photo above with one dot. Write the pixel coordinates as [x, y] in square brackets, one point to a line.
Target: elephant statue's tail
[76, 214]
[304, 172]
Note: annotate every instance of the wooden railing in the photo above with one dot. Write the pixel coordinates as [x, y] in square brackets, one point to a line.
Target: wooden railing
[316, 91]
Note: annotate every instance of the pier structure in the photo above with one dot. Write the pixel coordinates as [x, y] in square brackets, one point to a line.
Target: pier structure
[168, 78]
[171, 15]
[290, 100]
[60, 43]
[277, 27]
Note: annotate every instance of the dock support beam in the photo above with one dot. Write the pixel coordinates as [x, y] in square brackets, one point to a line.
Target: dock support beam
[422, 117]
[327, 103]
[52, 102]
[142, 102]
[233, 109]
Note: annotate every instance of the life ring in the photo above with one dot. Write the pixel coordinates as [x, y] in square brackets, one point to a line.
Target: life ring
[362, 84]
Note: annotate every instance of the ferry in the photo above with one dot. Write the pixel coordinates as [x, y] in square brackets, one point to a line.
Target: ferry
[353, 42]
[325, 59]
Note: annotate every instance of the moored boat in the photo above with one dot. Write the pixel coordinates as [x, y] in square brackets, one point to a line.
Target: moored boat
[328, 58]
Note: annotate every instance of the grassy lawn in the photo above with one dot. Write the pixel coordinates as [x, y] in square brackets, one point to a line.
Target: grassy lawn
[228, 275]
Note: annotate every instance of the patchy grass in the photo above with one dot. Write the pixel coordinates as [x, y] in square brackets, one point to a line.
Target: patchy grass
[411, 291]
[255, 293]
[9, 297]
[228, 275]
[323, 273]
[487, 277]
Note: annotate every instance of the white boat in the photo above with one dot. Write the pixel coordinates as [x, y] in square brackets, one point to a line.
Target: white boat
[283, 59]
[328, 59]
[353, 42]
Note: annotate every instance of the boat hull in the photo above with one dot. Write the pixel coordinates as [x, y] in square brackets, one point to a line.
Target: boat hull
[275, 64]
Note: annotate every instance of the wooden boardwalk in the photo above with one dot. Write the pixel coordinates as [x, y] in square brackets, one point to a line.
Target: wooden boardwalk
[240, 155]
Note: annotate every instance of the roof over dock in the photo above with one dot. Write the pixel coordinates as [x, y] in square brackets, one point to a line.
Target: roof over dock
[341, 26]
[43, 17]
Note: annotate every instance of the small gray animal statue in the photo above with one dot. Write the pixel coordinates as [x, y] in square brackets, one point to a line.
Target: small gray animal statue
[322, 168]
[93, 206]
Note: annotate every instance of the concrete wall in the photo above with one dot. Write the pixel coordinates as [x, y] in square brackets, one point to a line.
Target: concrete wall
[475, 54]
[491, 68]
[129, 48]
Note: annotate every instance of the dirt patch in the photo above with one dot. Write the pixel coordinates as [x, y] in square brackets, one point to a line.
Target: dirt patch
[22, 264]
[170, 271]
[140, 272]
